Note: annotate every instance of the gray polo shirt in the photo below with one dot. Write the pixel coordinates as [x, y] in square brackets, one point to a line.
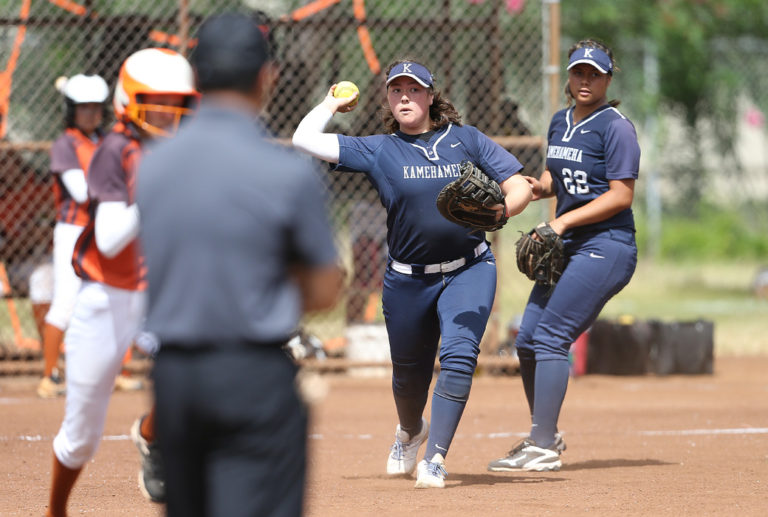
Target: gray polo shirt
[224, 216]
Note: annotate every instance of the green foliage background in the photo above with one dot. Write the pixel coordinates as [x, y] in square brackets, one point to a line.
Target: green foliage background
[710, 233]
[686, 34]
[708, 54]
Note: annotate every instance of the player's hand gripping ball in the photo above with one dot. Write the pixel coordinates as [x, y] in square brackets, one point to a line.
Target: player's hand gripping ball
[346, 89]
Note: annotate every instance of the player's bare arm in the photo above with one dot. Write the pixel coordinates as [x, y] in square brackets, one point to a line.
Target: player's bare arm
[320, 287]
[540, 188]
[517, 194]
[618, 197]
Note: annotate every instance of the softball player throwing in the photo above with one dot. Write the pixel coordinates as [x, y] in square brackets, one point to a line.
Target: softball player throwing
[593, 160]
[440, 279]
[153, 91]
[70, 154]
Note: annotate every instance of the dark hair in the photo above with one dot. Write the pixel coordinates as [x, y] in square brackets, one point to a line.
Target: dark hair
[231, 50]
[591, 43]
[69, 113]
[441, 112]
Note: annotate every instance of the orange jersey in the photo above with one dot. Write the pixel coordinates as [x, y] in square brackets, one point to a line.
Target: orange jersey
[72, 150]
[112, 177]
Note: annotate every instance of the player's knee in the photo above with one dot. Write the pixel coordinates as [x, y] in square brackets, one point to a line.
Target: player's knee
[553, 343]
[524, 339]
[59, 315]
[410, 379]
[459, 354]
[453, 385]
[73, 454]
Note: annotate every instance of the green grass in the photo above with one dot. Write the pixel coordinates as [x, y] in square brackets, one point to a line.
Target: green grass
[26, 320]
[720, 292]
[682, 287]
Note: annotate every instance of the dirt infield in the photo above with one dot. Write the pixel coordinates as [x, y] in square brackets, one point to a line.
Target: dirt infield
[660, 446]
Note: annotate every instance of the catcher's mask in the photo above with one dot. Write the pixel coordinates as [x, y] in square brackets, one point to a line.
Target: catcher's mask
[154, 71]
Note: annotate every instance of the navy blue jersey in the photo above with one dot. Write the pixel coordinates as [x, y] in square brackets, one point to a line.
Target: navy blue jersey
[408, 174]
[582, 158]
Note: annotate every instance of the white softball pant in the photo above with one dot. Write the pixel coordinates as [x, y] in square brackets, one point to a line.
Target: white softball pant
[65, 282]
[103, 325]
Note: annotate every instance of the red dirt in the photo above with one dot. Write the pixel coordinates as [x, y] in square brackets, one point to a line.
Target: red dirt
[660, 446]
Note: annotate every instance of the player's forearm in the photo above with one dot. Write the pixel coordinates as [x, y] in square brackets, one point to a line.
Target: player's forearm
[517, 194]
[545, 185]
[310, 138]
[117, 224]
[617, 198]
[320, 287]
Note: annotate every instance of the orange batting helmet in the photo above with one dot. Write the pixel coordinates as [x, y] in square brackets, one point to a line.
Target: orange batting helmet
[153, 71]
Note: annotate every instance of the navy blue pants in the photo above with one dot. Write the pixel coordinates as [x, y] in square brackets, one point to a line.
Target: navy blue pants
[598, 266]
[231, 430]
[419, 310]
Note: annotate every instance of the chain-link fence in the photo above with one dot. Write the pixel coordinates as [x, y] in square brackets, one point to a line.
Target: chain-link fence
[487, 57]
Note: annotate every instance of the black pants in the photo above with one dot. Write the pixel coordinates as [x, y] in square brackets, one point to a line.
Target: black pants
[232, 431]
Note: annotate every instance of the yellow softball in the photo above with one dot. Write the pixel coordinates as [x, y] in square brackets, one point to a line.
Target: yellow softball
[346, 89]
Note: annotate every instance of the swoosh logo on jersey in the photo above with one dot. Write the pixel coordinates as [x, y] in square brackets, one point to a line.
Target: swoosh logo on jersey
[441, 448]
[585, 131]
[456, 144]
[595, 255]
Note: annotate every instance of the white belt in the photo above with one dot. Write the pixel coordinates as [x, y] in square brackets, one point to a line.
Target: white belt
[443, 267]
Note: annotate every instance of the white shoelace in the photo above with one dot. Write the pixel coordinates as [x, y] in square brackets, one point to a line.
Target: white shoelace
[436, 469]
[397, 450]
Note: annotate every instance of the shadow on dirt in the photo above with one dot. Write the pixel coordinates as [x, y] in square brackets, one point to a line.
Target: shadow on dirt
[614, 463]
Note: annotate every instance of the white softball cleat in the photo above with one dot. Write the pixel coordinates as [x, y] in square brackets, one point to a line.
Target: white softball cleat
[403, 454]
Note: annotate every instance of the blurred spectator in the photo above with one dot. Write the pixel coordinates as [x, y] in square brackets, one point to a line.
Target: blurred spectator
[368, 235]
[84, 97]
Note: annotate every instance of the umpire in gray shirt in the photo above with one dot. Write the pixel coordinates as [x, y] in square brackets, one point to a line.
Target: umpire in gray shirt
[238, 245]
